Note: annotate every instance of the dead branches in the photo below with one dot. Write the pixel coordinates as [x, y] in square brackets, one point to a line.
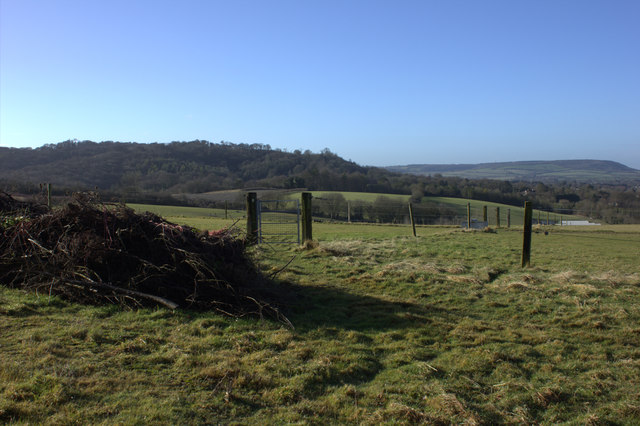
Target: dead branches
[95, 253]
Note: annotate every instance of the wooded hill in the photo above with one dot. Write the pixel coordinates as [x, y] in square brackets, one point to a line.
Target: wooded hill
[179, 167]
[581, 171]
[158, 172]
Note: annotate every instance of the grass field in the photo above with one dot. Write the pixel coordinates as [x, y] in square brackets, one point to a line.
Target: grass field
[443, 328]
[459, 205]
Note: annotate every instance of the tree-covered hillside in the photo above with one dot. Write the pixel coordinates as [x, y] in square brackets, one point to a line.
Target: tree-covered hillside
[197, 166]
[157, 172]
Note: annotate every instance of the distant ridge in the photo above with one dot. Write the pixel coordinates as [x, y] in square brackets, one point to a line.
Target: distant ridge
[582, 171]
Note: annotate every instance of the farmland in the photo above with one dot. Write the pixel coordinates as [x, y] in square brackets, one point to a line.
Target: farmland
[441, 328]
[456, 207]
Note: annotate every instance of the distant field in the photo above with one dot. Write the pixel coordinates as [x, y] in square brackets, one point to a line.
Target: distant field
[208, 219]
[592, 171]
[199, 217]
[459, 205]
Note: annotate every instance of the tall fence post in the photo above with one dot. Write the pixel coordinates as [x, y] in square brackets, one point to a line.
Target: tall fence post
[484, 214]
[348, 211]
[497, 217]
[307, 220]
[49, 196]
[468, 215]
[526, 240]
[252, 217]
[226, 209]
[413, 223]
[508, 218]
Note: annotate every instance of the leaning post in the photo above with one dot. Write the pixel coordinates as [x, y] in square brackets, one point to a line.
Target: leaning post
[526, 240]
[49, 196]
[252, 218]
[307, 220]
[413, 223]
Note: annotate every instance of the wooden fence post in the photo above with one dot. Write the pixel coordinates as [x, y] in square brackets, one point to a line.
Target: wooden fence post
[484, 214]
[547, 218]
[348, 211]
[497, 217]
[468, 215]
[508, 218]
[252, 217]
[226, 209]
[413, 223]
[49, 196]
[307, 220]
[526, 240]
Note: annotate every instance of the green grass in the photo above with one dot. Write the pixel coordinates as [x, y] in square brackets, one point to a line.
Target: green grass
[459, 205]
[443, 328]
[198, 217]
[367, 197]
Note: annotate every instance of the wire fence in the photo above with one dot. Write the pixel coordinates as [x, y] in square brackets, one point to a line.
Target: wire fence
[397, 212]
[279, 221]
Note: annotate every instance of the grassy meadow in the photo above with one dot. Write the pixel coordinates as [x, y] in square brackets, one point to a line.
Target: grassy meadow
[443, 328]
[458, 205]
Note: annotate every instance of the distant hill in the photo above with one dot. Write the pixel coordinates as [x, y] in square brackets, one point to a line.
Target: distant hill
[181, 167]
[180, 172]
[582, 171]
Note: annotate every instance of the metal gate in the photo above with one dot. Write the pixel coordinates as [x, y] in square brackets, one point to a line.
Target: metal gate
[279, 221]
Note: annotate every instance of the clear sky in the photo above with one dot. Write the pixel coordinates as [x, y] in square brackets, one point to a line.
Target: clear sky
[378, 82]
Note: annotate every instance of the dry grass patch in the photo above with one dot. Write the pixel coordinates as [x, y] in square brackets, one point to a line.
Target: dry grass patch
[615, 278]
[584, 290]
[409, 266]
[455, 269]
[566, 277]
[448, 404]
[531, 279]
[343, 248]
[463, 279]
[517, 285]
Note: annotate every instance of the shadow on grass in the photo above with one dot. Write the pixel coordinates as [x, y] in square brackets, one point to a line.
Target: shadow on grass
[309, 307]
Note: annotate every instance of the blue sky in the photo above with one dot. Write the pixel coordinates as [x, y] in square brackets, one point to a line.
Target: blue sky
[377, 82]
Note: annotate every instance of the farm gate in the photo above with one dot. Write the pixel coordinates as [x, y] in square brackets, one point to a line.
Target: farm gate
[279, 221]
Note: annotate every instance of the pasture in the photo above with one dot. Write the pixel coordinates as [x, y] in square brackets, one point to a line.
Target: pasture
[442, 328]
[457, 205]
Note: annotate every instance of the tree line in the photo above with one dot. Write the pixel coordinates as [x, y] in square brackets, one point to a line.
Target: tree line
[157, 172]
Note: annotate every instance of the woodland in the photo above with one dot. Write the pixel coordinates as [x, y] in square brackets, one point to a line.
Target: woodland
[160, 173]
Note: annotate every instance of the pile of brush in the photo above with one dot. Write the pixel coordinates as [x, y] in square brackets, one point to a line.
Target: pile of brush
[96, 253]
[9, 206]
